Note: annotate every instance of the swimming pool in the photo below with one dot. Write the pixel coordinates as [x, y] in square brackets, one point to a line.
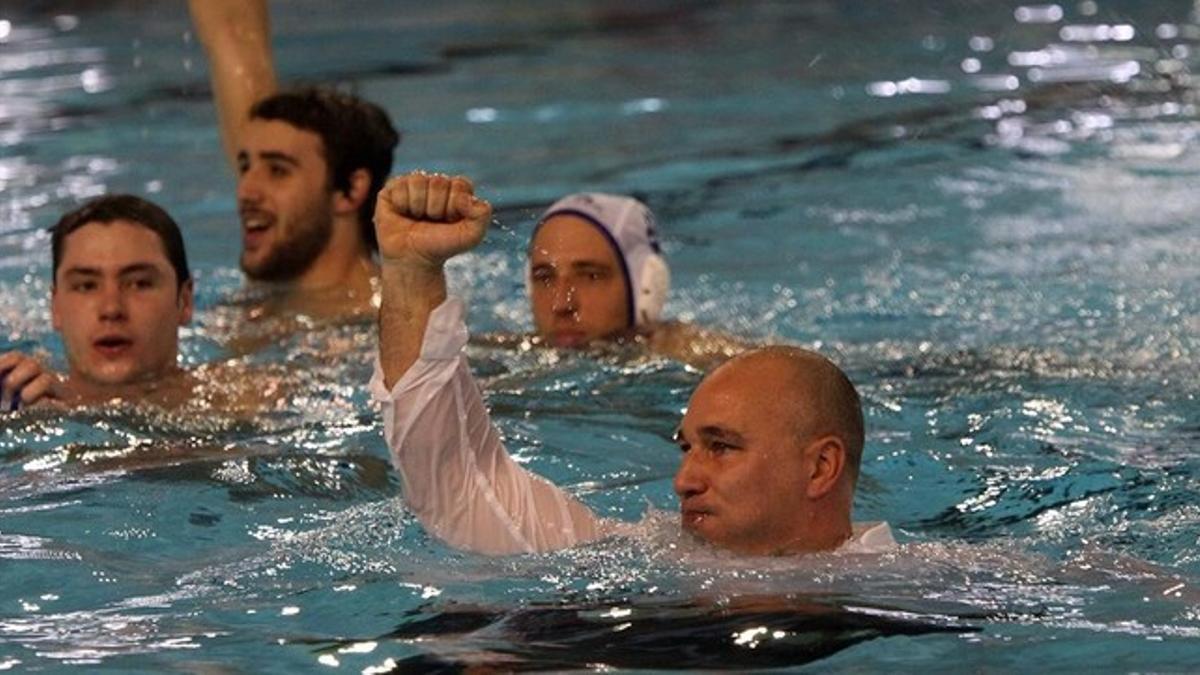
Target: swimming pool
[985, 212]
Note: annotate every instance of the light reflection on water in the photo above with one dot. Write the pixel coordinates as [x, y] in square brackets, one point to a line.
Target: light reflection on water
[984, 212]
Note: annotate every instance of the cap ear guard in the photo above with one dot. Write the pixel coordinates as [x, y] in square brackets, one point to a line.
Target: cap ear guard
[653, 284]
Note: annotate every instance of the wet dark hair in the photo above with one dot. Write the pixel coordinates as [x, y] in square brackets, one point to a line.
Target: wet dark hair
[134, 209]
[355, 134]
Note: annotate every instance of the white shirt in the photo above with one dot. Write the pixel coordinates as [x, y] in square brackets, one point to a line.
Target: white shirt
[460, 481]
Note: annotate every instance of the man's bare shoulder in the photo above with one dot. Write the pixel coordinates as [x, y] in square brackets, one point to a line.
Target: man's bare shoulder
[238, 389]
[231, 389]
[254, 319]
[698, 347]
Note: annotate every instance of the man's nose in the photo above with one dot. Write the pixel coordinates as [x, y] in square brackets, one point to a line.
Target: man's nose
[690, 478]
[565, 297]
[249, 187]
[112, 302]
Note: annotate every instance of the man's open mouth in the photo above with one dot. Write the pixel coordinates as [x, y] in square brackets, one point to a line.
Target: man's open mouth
[691, 518]
[254, 226]
[112, 345]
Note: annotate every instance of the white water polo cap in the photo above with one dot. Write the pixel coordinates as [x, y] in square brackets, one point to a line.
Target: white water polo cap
[630, 228]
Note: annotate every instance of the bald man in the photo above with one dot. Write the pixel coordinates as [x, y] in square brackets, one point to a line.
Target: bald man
[772, 440]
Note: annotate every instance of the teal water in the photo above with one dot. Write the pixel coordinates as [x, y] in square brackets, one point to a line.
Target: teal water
[988, 220]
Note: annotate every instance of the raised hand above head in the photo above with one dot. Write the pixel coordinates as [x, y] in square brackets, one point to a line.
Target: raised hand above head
[422, 220]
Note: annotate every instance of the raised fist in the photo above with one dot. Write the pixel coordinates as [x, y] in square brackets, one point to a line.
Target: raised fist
[425, 219]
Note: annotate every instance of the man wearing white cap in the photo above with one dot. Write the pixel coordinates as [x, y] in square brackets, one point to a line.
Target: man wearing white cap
[595, 269]
[597, 274]
[771, 441]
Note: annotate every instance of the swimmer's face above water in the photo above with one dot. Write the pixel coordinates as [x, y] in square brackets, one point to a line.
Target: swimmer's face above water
[285, 200]
[117, 304]
[578, 292]
[753, 478]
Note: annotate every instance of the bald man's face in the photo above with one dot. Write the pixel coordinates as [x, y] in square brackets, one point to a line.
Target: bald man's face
[744, 480]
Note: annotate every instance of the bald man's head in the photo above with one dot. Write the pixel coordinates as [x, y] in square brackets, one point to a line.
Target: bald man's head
[771, 445]
[818, 396]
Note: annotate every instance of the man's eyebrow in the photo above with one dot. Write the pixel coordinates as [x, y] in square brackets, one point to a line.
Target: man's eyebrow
[132, 268]
[723, 433]
[590, 265]
[710, 431]
[81, 271]
[137, 267]
[279, 156]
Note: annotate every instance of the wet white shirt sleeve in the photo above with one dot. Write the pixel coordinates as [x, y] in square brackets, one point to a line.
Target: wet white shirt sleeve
[457, 477]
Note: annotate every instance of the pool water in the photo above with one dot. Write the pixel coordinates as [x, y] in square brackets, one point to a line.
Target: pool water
[985, 211]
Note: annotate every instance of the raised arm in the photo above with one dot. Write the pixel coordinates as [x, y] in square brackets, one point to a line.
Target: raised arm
[236, 35]
[421, 221]
[457, 477]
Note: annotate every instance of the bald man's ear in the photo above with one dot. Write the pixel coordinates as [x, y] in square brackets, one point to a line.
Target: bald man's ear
[827, 463]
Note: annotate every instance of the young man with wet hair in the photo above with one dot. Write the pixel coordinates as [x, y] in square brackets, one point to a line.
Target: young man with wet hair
[356, 136]
[772, 440]
[309, 163]
[121, 290]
